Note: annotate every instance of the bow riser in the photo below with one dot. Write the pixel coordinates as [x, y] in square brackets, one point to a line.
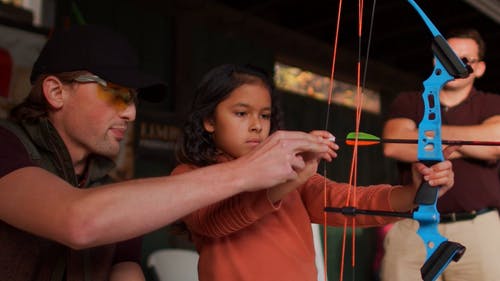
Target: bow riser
[429, 129]
[447, 66]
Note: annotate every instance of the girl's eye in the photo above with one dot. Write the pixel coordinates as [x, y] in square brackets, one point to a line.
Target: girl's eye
[240, 113]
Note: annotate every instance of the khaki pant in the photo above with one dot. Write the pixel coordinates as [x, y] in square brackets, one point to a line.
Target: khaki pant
[405, 251]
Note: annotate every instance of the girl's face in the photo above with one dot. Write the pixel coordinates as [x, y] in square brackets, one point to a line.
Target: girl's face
[242, 121]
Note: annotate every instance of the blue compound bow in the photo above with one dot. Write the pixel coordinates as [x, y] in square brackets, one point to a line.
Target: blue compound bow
[440, 251]
[447, 66]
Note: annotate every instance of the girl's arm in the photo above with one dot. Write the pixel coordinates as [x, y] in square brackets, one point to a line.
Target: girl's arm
[227, 216]
[375, 197]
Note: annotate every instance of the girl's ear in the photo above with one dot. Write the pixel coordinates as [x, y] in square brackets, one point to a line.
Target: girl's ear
[53, 91]
[208, 124]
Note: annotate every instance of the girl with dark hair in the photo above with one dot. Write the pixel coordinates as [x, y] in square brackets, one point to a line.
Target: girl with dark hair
[198, 147]
[266, 235]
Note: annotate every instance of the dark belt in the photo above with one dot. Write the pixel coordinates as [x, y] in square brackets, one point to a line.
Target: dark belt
[462, 216]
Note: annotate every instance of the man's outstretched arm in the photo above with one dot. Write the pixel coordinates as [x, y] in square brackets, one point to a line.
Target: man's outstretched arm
[41, 203]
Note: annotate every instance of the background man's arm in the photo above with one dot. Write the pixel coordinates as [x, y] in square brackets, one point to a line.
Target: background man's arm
[405, 128]
[489, 130]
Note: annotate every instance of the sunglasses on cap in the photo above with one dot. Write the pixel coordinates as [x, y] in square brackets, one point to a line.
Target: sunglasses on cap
[124, 94]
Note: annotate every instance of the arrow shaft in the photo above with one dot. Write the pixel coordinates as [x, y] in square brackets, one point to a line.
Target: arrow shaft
[409, 141]
[447, 142]
[463, 142]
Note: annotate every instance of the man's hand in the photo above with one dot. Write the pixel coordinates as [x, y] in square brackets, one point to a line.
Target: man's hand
[281, 157]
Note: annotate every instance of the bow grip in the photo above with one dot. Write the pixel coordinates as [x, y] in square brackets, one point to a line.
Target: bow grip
[426, 194]
[439, 260]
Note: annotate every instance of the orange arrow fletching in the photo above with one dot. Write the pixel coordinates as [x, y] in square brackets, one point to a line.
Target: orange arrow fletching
[361, 142]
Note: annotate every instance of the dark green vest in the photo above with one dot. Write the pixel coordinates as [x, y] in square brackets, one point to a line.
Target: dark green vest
[24, 256]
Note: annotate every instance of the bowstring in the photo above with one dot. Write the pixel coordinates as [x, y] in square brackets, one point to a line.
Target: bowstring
[328, 112]
[354, 161]
[360, 85]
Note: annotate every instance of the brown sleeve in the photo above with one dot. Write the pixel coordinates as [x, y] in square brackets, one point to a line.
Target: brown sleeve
[13, 154]
[406, 105]
[490, 106]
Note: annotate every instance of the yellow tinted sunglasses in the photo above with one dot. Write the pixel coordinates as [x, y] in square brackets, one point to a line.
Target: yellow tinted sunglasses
[127, 95]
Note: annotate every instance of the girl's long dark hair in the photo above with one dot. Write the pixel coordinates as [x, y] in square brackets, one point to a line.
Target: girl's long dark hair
[196, 145]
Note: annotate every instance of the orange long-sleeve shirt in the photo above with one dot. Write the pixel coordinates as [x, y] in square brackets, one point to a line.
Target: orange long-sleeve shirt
[246, 237]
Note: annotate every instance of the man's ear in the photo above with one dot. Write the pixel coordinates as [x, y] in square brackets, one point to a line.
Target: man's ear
[479, 69]
[208, 124]
[53, 91]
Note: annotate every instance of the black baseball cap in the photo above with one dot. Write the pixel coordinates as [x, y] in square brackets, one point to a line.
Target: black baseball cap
[102, 52]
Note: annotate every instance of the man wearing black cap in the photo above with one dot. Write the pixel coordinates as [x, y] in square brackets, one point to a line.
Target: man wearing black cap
[58, 144]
